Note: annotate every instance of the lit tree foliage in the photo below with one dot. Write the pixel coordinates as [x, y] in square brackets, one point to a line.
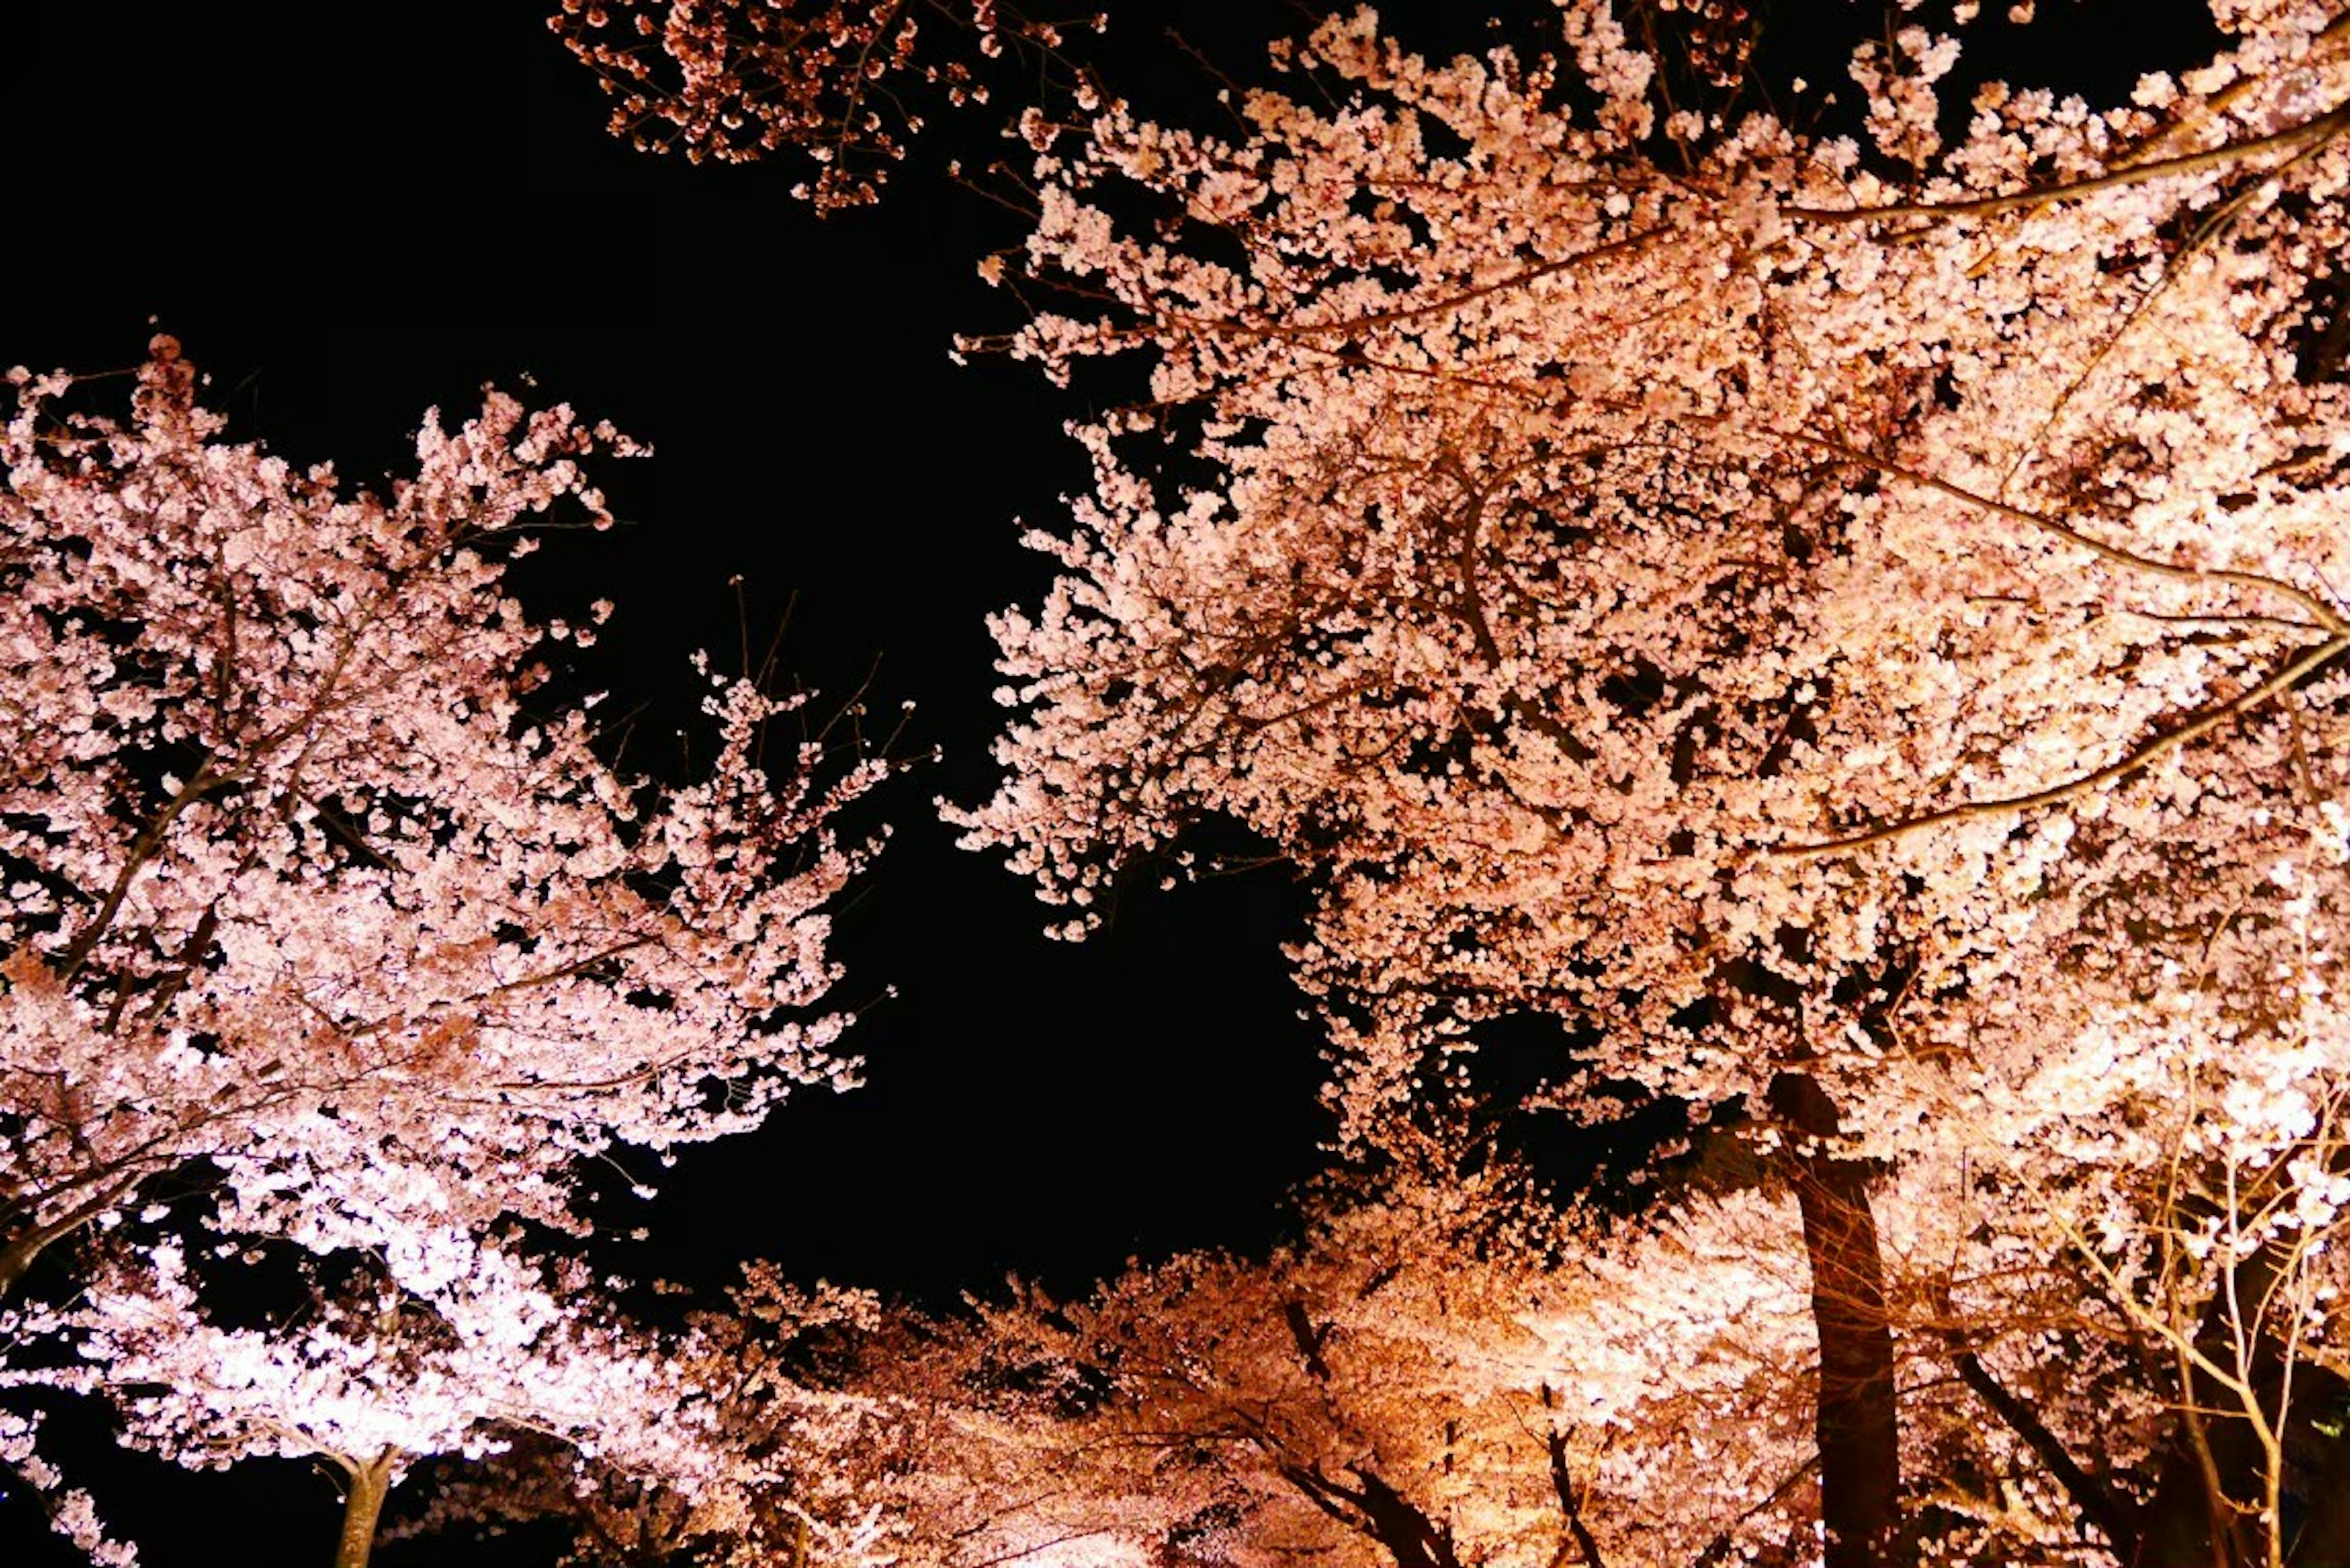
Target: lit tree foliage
[798, 1466]
[737, 80]
[1440, 1375]
[298, 884]
[306, 904]
[1398, 1388]
[1848, 624]
[1474, 521]
[372, 1378]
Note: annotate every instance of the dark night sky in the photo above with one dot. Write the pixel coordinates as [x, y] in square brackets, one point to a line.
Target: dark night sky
[350, 216]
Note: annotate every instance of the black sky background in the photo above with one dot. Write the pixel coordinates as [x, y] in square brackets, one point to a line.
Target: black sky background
[349, 214]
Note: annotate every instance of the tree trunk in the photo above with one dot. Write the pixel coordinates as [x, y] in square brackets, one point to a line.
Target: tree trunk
[371, 1482]
[1377, 1510]
[15, 1257]
[1411, 1537]
[1858, 1435]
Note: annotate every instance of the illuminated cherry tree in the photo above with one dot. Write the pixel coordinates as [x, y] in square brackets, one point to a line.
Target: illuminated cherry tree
[1847, 622]
[738, 81]
[375, 1378]
[317, 929]
[301, 886]
[795, 1459]
[1385, 1393]
[1440, 1374]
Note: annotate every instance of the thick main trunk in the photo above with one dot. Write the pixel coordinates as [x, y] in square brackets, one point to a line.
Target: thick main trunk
[1858, 1433]
[370, 1483]
[1370, 1506]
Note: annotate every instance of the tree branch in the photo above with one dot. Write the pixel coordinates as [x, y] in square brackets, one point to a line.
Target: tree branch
[2323, 127]
[2096, 1502]
[2323, 612]
[2295, 671]
[1563, 1485]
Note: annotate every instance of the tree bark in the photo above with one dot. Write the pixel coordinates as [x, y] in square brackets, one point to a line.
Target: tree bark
[14, 1259]
[1858, 1433]
[1563, 1484]
[1371, 1506]
[369, 1484]
[2096, 1501]
[1377, 1510]
[1410, 1537]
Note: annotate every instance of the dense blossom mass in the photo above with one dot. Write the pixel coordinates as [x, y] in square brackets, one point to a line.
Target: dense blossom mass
[1407, 1386]
[320, 929]
[1849, 624]
[1834, 611]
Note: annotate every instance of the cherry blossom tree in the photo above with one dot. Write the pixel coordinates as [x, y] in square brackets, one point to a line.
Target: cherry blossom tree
[737, 80]
[1439, 1373]
[301, 886]
[72, 1512]
[524, 1398]
[1847, 622]
[1357, 1396]
[318, 930]
[375, 1378]
[796, 1459]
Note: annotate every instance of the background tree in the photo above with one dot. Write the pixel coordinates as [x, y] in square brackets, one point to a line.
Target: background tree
[370, 1379]
[838, 81]
[1349, 1397]
[814, 1460]
[317, 932]
[1441, 1373]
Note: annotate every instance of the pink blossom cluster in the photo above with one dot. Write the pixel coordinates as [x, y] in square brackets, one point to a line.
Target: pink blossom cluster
[304, 893]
